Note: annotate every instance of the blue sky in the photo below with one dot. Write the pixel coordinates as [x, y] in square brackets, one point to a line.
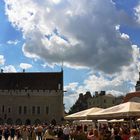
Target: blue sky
[97, 41]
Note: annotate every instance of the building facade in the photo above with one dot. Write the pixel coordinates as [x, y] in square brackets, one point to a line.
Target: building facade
[28, 98]
[104, 100]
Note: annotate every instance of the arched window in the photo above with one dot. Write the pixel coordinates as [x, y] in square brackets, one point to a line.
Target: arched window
[1, 121]
[37, 121]
[18, 122]
[47, 110]
[9, 121]
[28, 122]
[38, 110]
[3, 109]
[33, 109]
[25, 109]
[20, 110]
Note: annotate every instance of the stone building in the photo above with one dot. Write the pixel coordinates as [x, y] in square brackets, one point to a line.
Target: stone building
[28, 98]
[103, 100]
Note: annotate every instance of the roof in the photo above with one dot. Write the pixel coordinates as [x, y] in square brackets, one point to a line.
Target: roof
[131, 95]
[32, 80]
[109, 95]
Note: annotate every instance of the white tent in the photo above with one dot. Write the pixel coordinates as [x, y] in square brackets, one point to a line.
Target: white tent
[82, 114]
[116, 120]
[124, 110]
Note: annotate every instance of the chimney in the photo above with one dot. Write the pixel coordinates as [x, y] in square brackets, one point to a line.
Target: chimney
[23, 70]
[1, 70]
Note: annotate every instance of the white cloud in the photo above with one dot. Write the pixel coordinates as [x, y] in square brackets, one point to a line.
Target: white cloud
[86, 35]
[70, 100]
[9, 68]
[25, 65]
[117, 84]
[2, 60]
[83, 34]
[56, 1]
[71, 86]
[12, 42]
[125, 36]
[124, 81]
[137, 13]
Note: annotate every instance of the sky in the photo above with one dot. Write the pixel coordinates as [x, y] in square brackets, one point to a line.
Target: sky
[95, 41]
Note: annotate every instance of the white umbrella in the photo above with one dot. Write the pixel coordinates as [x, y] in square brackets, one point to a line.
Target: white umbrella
[116, 120]
[124, 110]
[82, 114]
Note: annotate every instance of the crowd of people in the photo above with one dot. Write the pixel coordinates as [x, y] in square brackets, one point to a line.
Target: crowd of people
[68, 132]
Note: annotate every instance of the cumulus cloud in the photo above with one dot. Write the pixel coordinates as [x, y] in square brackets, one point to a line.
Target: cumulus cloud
[71, 87]
[25, 65]
[125, 36]
[2, 60]
[117, 84]
[9, 68]
[137, 13]
[70, 100]
[82, 33]
[12, 42]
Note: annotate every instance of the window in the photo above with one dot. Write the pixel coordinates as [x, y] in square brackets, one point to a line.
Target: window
[20, 110]
[25, 110]
[9, 110]
[5, 116]
[113, 102]
[59, 86]
[104, 100]
[47, 109]
[33, 109]
[38, 110]
[3, 109]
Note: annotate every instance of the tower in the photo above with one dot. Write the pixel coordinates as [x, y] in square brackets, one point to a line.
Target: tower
[137, 87]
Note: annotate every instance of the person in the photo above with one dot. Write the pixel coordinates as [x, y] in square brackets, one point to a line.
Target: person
[125, 134]
[90, 134]
[94, 135]
[48, 134]
[39, 132]
[66, 132]
[60, 133]
[81, 135]
[24, 133]
[133, 134]
[12, 132]
[18, 133]
[1, 133]
[6, 133]
[33, 134]
[116, 135]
